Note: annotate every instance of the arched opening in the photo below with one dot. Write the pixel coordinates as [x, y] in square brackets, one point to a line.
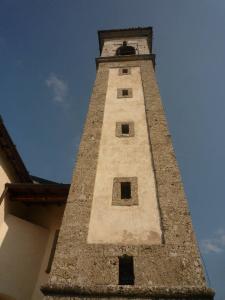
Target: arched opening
[125, 49]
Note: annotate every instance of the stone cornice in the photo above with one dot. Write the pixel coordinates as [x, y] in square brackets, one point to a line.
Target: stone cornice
[125, 58]
[184, 292]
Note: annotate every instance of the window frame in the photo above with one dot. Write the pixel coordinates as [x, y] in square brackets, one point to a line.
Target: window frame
[119, 132]
[120, 93]
[116, 191]
[125, 74]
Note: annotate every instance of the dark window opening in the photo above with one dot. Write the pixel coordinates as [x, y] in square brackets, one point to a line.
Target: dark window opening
[125, 129]
[125, 50]
[125, 71]
[125, 92]
[125, 190]
[126, 270]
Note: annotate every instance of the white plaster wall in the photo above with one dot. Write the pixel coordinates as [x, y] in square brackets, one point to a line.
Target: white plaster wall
[110, 45]
[51, 217]
[6, 176]
[124, 157]
[6, 173]
[48, 217]
[22, 247]
[43, 276]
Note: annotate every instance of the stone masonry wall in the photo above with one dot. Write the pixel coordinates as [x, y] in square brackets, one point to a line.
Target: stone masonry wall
[175, 263]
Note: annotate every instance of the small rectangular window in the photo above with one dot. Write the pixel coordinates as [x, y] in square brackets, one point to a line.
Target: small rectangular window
[125, 92]
[126, 270]
[125, 129]
[125, 71]
[125, 190]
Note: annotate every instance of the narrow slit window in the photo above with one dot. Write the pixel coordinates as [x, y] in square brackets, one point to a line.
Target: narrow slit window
[125, 190]
[125, 92]
[125, 129]
[126, 270]
[125, 71]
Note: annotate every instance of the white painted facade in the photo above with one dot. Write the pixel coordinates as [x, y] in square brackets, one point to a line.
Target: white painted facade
[6, 174]
[49, 217]
[22, 248]
[124, 157]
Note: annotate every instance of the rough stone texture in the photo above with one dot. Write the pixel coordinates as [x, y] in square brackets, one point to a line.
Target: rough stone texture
[119, 129]
[173, 264]
[122, 298]
[124, 292]
[116, 199]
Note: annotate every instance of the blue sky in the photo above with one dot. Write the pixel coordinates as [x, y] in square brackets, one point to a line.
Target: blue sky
[47, 52]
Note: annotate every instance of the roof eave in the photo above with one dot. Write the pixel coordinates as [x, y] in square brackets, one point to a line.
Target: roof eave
[37, 193]
[10, 151]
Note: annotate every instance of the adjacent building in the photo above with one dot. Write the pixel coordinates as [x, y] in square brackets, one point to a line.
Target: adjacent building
[31, 211]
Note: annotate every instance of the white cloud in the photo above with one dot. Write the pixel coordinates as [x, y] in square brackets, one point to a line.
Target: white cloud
[215, 244]
[210, 245]
[58, 86]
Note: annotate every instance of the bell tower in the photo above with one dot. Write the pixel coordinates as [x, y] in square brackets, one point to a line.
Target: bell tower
[126, 230]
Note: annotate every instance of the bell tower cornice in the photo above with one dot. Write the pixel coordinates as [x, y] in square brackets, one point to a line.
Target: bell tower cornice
[125, 58]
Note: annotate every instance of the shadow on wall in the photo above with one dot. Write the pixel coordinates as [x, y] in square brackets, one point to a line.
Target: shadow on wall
[21, 253]
[5, 297]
